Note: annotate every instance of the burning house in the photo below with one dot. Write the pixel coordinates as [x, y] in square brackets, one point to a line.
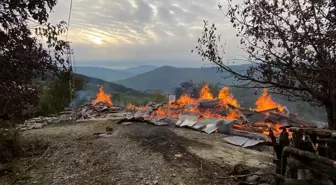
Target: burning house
[209, 114]
[221, 114]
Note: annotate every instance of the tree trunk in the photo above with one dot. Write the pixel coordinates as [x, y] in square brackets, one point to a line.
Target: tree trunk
[331, 113]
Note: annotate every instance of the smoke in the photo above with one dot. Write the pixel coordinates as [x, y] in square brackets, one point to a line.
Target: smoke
[81, 97]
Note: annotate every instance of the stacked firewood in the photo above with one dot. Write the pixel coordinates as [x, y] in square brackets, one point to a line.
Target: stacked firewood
[307, 158]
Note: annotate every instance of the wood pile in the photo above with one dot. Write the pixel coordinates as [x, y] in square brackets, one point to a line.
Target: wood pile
[308, 158]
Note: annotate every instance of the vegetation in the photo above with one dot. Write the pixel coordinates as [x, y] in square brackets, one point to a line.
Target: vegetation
[93, 83]
[292, 45]
[124, 99]
[24, 60]
[54, 96]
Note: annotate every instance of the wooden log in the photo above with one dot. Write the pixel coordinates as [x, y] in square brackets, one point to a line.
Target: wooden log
[312, 165]
[314, 131]
[209, 103]
[242, 115]
[268, 110]
[322, 140]
[308, 155]
[288, 181]
[248, 128]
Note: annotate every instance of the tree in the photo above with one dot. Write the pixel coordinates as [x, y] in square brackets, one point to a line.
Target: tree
[291, 44]
[159, 97]
[23, 57]
[54, 96]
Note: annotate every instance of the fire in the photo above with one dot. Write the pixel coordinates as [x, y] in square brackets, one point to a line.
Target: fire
[205, 93]
[226, 98]
[160, 112]
[265, 102]
[208, 114]
[130, 107]
[102, 97]
[185, 100]
[275, 128]
[233, 115]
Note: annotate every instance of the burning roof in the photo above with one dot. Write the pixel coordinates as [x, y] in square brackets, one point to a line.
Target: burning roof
[206, 113]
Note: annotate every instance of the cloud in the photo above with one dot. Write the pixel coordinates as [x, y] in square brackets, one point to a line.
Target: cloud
[141, 29]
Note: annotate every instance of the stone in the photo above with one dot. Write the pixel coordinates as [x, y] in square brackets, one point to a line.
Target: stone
[178, 155]
[36, 126]
[253, 179]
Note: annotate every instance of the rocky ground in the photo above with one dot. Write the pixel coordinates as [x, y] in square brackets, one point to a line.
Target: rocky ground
[133, 154]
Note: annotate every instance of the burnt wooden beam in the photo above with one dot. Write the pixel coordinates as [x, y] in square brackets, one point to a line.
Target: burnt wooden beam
[312, 165]
[268, 110]
[314, 131]
[242, 115]
[325, 140]
[288, 181]
[308, 155]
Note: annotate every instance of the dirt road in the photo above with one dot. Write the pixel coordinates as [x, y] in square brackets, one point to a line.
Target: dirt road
[134, 154]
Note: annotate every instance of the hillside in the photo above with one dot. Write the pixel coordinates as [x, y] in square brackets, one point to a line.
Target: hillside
[167, 77]
[103, 73]
[93, 83]
[112, 74]
[140, 69]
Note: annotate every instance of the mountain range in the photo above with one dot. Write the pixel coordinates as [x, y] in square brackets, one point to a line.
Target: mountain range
[166, 78]
[112, 74]
[150, 77]
[92, 84]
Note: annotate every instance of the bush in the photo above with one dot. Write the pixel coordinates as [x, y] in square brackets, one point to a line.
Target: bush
[53, 97]
[10, 145]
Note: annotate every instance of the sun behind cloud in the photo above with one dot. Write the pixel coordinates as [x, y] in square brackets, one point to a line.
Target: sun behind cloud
[96, 40]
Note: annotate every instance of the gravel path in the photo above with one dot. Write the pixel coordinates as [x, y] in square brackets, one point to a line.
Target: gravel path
[134, 154]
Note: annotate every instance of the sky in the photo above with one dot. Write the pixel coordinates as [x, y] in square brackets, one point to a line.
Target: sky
[114, 33]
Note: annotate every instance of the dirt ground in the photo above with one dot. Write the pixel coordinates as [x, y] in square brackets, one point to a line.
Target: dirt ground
[134, 154]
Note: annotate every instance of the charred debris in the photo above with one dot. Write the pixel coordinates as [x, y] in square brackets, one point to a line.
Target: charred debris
[305, 152]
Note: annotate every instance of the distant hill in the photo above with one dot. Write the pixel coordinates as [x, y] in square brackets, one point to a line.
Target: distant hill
[112, 75]
[140, 69]
[92, 84]
[167, 77]
[103, 73]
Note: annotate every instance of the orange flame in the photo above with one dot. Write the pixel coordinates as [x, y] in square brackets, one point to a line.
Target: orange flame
[102, 97]
[275, 128]
[130, 107]
[205, 93]
[226, 98]
[160, 112]
[185, 100]
[265, 102]
[233, 115]
[174, 109]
